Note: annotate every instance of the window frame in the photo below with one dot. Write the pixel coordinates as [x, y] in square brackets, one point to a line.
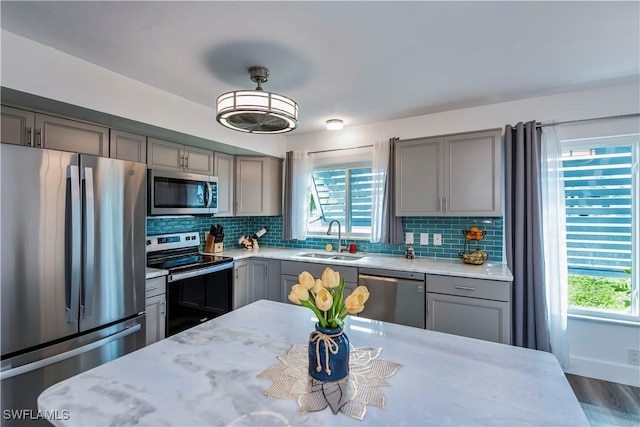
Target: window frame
[593, 142]
[347, 166]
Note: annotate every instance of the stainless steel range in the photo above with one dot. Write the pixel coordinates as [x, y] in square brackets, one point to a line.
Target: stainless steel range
[199, 287]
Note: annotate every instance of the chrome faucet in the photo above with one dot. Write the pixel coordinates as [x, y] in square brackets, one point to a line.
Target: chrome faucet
[340, 247]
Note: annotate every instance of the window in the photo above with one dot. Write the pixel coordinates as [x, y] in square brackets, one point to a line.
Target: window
[342, 193]
[602, 199]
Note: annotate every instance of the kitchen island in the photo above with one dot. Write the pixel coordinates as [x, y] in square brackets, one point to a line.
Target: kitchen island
[208, 375]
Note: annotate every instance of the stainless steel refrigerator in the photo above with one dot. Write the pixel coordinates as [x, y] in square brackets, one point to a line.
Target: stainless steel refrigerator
[73, 268]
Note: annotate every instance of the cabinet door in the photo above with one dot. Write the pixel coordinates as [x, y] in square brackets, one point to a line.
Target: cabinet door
[164, 154]
[223, 169]
[275, 292]
[127, 146]
[258, 186]
[287, 281]
[68, 135]
[17, 126]
[250, 186]
[156, 317]
[259, 285]
[198, 160]
[419, 177]
[470, 317]
[472, 173]
[241, 284]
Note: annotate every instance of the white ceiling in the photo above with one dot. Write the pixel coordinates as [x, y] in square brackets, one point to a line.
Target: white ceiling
[360, 61]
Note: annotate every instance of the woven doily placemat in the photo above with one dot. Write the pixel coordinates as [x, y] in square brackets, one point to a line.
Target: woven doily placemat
[350, 395]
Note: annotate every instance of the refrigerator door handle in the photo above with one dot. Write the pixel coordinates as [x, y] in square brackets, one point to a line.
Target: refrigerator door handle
[209, 198]
[75, 225]
[89, 248]
[67, 354]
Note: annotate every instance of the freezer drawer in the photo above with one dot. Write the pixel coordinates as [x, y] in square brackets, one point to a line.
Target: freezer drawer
[395, 297]
[25, 377]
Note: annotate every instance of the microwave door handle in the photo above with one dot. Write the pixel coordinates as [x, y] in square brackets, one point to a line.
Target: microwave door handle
[75, 224]
[89, 229]
[209, 198]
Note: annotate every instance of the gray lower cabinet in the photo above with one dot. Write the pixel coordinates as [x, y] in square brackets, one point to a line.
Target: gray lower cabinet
[290, 270]
[155, 308]
[127, 146]
[251, 281]
[474, 308]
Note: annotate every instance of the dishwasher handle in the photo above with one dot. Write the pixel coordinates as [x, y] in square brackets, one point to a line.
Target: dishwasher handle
[378, 278]
[375, 273]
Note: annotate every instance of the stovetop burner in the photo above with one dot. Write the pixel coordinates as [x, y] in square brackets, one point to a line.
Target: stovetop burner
[179, 252]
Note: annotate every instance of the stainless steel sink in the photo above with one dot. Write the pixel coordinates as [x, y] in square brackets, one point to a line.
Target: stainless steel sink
[315, 255]
[347, 257]
[338, 257]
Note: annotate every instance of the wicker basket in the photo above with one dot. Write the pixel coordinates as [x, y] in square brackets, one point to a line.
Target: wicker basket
[477, 257]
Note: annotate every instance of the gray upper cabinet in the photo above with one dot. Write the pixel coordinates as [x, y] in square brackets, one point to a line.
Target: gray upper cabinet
[69, 135]
[24, 127]
[127, 146]
[223, 169]
[17, 126]
[258, 186]
[171, 155]
[450, 175]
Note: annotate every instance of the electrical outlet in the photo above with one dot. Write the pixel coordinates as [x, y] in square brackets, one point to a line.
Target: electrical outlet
[634, 357]
[409, 238]
[437, 239]
[424, 238]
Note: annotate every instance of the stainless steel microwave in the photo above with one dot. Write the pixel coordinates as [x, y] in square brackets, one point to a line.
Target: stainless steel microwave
[181, 193]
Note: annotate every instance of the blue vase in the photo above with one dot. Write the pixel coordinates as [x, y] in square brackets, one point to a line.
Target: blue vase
[328, 354]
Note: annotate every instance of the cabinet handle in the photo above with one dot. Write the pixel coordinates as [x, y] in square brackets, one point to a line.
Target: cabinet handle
[162, 304]
[186, 162]
[38, 141]
[446, 204]
[28, 136]
[466, 288]
[266, 272]
[441, 203]
[181, 161]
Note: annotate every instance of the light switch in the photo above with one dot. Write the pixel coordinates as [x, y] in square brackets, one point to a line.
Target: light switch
[437, 239]
[409, 238]
[424, 238]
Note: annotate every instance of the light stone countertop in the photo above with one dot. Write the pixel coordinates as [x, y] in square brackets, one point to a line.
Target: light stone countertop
[441, 266]
[155, 272]
[207, 375]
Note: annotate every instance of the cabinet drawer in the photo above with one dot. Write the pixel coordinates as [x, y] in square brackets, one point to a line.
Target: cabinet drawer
[293, 268]
[475, 288]
[155, 286]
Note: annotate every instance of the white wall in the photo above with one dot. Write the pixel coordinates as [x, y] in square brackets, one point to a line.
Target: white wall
[598, 349]
[37, 69]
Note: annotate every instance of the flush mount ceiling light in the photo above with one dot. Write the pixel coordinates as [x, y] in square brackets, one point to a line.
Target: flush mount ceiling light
[334, 124]
[257, 111]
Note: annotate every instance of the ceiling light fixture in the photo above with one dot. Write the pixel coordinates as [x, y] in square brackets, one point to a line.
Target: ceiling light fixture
[334, 124]
[257, 111]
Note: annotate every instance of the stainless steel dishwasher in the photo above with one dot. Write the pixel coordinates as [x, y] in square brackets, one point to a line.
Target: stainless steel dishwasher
[394, 296]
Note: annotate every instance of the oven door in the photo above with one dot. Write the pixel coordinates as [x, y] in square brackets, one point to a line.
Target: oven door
[195, 296]
[180, 193]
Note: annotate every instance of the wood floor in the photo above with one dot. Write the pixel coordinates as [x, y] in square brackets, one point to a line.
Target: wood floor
[606, 403]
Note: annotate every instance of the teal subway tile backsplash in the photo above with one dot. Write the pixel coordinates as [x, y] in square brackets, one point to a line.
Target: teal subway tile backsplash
[449, 227]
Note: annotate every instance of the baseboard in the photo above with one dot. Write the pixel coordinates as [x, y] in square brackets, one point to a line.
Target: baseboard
[606, 371]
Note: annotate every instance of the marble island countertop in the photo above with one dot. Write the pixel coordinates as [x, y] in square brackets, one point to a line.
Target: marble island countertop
[207, 375]
[441, 266]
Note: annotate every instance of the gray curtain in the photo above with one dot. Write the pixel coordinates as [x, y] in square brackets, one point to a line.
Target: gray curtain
[287, 231]
[523, 235]
[391, 224]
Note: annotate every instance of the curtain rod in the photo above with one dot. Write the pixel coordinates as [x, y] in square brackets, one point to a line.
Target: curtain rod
[623, 116]
[340, 149]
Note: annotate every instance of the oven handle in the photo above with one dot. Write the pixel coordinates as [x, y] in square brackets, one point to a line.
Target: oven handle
[200, 272]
